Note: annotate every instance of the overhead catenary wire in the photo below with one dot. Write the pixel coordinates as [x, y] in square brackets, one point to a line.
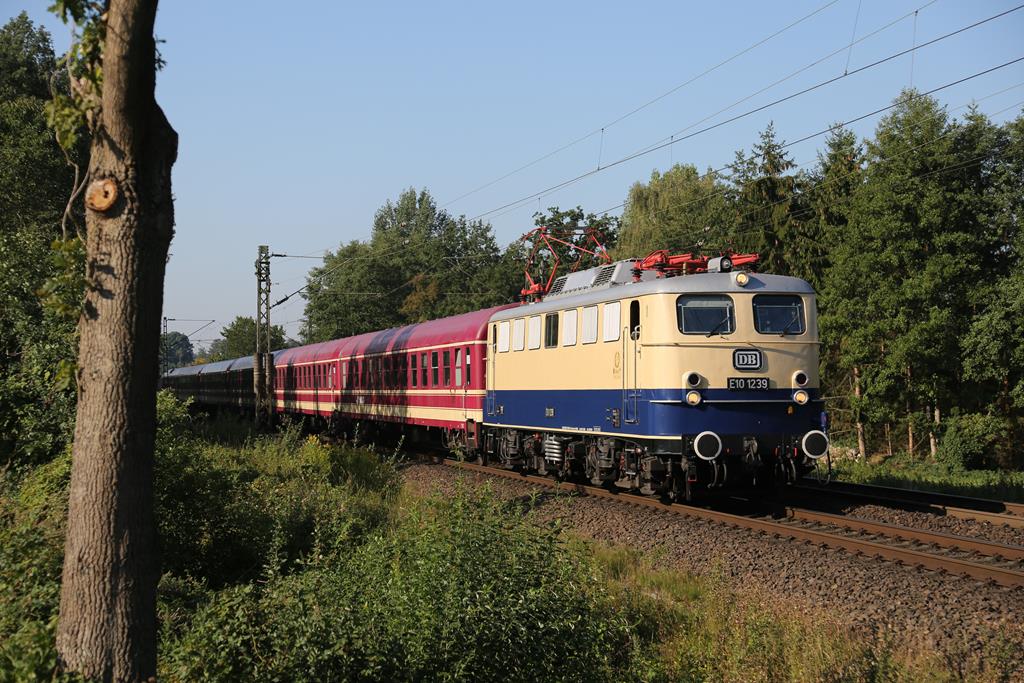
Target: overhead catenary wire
[719, 171]
[745, 114]
[672, 138]
[646, 104]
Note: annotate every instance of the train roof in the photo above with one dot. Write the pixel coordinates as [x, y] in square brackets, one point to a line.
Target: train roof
[466, 327]
[698, 283]
[184, 371]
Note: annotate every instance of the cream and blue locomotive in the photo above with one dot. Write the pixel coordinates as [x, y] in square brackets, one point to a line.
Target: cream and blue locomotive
[662, 384]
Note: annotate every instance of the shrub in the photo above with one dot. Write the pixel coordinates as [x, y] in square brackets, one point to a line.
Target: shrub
[460, 590]
[973, 441]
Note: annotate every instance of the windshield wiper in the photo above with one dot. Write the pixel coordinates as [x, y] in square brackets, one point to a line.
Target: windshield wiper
[796, 318]
[719, 325]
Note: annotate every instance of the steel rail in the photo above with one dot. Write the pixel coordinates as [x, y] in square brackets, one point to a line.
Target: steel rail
[950, 541]
[961, 507]
[983, 572]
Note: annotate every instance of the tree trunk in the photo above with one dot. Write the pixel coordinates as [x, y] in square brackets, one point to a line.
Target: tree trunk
[107, 623]
[910, 431]
[862, 449]
[910, 419]
[888, 440]
[933, 441]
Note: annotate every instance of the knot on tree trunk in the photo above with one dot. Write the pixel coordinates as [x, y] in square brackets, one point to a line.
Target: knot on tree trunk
[101, 194]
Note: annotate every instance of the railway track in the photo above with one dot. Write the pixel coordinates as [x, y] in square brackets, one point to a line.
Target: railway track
[961, 507]
[974, 558]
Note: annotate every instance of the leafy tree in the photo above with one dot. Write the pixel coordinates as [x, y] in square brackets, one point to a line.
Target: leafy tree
[679, 210]
[238, 339]
[175, 350]
[917, 232]
[768, 204]
[420, 263]
[832, 187]
[36, 410]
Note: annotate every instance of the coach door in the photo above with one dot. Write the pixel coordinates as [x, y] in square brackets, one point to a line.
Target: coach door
[630, 366]
[489, 379]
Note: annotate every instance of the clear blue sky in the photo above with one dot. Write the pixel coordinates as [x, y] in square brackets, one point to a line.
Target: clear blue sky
[297, 121]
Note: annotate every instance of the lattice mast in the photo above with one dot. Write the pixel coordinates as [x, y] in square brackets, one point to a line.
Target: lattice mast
[262, 368]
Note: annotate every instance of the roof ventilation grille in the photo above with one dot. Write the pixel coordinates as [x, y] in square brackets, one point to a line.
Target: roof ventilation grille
[558, 285]
[603, 276]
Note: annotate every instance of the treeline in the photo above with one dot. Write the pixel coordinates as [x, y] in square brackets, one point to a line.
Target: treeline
[912, 239]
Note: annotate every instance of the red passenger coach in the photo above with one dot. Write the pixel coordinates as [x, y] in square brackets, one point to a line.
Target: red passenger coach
[428, 374]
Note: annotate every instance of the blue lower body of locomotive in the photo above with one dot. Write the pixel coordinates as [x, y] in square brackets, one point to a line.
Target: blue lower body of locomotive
[655, 413]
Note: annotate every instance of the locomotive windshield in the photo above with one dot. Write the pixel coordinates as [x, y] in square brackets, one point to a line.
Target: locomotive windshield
[779, 314]
[705, 314]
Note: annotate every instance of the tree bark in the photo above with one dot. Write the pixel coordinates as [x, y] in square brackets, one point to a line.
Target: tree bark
[910, 418]
[107, 623]
[933, 442]
[862, 449]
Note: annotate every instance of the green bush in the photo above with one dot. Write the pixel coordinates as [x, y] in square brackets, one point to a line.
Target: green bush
[973, 441]
[31, 554]
[225, 516]
[461, 590]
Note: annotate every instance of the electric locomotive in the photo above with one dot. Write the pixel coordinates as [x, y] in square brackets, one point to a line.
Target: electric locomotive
[623, 375]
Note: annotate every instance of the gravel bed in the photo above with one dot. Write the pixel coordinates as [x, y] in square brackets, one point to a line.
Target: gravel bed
[997, 533]
[918, 607]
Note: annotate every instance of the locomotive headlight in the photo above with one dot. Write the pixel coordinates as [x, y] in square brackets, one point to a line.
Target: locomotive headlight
[742, 279]
[692, 379]
[800, 378]
[693, 398]
[800, 396]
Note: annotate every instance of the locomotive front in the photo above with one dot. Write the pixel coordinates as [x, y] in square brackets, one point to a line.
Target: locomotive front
[745, 347]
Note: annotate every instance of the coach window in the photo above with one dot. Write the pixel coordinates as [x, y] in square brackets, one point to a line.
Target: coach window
[779, 314]
[550, 330]
[414, 377]
[503, 336]
[458, 367]
[519, 334]
[469, 358]
[533, 338]
[589, 324]
[705, 314]
[611, 321]
[569, 327]
[446, 357]
[433, 367]
[423, 370]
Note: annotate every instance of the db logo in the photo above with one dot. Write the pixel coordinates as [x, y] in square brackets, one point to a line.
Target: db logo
[746, 359]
